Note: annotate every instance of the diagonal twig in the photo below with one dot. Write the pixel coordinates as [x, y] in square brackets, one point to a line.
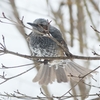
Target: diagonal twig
[9, 78]
[80, 81]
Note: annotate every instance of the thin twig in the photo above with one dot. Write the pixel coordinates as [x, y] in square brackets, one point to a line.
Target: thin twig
[3, 41]
[80, 81]
[6, 67]
[95, 29]
[26, 97]
[91, 85]
[95, 53]
[21, 24]
[9, 78]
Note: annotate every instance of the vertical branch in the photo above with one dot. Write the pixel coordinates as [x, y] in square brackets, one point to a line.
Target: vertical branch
[83, 90]
[71, 21]
[16, 16]
[60, 17]
[95, 5]
[69, 2]
[79, 26]
[73, 90]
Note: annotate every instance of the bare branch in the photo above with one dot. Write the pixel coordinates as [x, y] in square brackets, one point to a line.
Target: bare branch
[20, 95]
[80, 81]
[53, 58]
[9, 78]
[42, 93]
[95, 29]
[91, 85]
[95, 53]
[4, 41]
[21, 24]
[6, 67]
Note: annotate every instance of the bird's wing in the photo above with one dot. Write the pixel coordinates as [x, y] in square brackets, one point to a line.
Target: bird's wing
[56, 34]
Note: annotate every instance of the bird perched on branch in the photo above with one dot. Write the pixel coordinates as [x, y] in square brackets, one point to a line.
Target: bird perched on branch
[47, 41]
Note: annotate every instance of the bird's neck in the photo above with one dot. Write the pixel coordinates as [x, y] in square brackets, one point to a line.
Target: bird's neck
[36, 32]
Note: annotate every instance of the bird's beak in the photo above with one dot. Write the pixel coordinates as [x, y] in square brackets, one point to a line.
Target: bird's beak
[32, 24]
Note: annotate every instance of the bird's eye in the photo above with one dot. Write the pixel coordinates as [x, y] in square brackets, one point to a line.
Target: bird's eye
[41, 25]
[44, 26]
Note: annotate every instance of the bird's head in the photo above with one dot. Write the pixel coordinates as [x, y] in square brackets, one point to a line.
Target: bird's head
[40, 26]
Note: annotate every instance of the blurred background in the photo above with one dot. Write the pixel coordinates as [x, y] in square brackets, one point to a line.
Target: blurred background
[73, 18]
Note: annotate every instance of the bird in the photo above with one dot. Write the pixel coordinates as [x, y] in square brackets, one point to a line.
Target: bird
[45, 40]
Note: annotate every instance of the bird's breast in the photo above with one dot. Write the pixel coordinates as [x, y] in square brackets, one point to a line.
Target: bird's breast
[43, 46]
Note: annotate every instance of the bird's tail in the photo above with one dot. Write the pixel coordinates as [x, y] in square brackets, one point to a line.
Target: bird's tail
[62, 71]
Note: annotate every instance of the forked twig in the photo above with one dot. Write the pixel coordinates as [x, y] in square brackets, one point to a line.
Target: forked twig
[9, 78]
[20, 23]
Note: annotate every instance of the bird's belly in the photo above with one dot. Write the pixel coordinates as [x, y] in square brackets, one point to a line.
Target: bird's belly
[44, 52]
